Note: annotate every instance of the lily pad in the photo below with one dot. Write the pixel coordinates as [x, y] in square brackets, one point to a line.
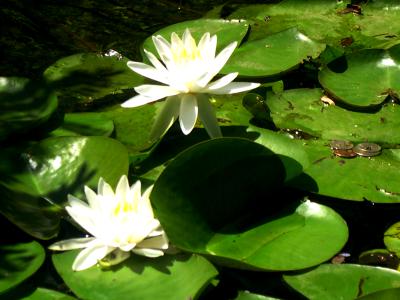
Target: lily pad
[19, 262]
[273, 54]
[250, 296]
[87, 124]
[364, 78]
[38, 179]
[388, 294]
[179, 277]
[345, 281]
[89, 76]
[392, 238]
[212, 211]
[37, 294]
[24, 105]
[227, 31]
[302, 109]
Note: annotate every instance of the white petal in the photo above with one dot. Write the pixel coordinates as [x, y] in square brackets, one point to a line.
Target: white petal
[164, 49]
[127, 247]
[91, 197]
[211, 48]
[204, 42]
[158, 242]
[90, 256]
[114, 258]
[135, 193]
[139, 100]
[148, 71]
[71, 244]
[223, 81]
[75, 202]
[122, 188]
[188, 113]
[85, 218]
[218, 64]
[154, 60]
[148, 252]
[176, 42]
[166, 118]
[144, 206]
[235, 87]
[208, 117]
[156, 91]
[188, 41]
[105, 189]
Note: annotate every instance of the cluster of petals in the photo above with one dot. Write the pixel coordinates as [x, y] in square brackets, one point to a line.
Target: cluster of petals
[119, 223]
[185, 70]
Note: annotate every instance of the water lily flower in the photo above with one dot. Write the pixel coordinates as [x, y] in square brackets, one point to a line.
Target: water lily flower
[120, 223]
[186, 70]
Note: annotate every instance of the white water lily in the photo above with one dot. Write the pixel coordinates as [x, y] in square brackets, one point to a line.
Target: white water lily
[120, 223]
[186, 70]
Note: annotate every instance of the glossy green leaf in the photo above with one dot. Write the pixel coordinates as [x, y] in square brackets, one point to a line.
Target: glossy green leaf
[226, 31]
[273, 54]
[392, 238]
[35, 181]
[89, 76]
[364, 78]
[39, 294]
[244, 295]
[228, 209]
[19, 262]
[169, 277]
[343, 281]
[388, 294]
[24, 105]
[302, 109]
[84, 124]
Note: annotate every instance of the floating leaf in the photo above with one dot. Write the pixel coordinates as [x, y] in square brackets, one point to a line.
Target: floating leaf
[90, 76]
[24, 105]
[364, 78]
[178, 277]
[250, 296]
[214, 210]
[19, 262]
[343, 281]
[273, 54]
[84, 124]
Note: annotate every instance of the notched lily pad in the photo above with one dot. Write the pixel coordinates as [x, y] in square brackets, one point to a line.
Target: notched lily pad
[212, 211]
[273, 54]
[343, 281]
[179, 277]
[86, 77]
[369, 77]
[303, 109]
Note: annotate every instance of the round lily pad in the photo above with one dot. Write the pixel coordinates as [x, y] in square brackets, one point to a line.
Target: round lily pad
[273, 54]
[229, 209]
[364, 78]
[344, 281]
[19, 262]
[179, 277]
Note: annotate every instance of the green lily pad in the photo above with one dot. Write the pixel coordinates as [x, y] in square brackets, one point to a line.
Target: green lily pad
[89, 76]
[392, 238]
[226, 31]
[24, 105]
[388, 294]
[302, 109]
[244, 295]
[367, 77]
[38, 179]
[168, 277]
[19, 262]
[84, 124]
[37, 294]
[212, 211]
[273, 54]
[344, 281]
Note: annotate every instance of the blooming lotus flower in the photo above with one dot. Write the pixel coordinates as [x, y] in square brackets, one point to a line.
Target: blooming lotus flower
[186, 70]
[120, 223]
